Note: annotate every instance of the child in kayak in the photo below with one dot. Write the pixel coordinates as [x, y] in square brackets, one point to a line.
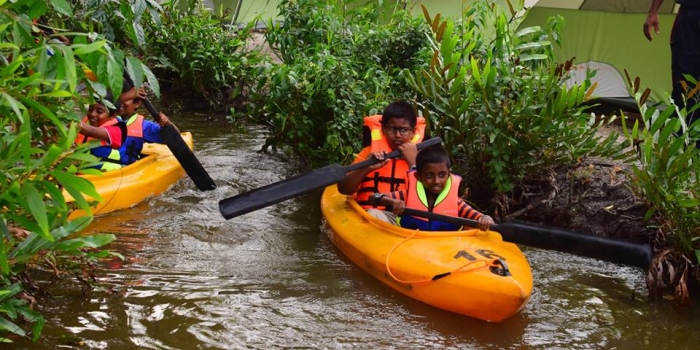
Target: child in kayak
[139, 130]
[397, 128]
[430, 187]
[101, 123]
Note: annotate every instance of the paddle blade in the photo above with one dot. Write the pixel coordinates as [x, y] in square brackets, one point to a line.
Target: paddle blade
[178, 147]
[187, 159]
[602, 248]
[280, 191]
[552, 238]
[298, 185]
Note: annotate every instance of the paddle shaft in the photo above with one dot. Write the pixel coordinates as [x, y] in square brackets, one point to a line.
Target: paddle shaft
[178, 147]
[551, 238]
[286, 189]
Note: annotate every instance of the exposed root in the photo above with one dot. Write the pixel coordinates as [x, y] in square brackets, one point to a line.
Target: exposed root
[546, 189]
[668, 277]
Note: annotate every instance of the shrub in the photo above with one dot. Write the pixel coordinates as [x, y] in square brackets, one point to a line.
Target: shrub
[666, 176]
[39, 105]
[198, 55]
[495, 96]
[339, 65]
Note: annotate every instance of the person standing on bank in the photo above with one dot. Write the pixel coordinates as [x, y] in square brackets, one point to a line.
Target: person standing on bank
[685, 49]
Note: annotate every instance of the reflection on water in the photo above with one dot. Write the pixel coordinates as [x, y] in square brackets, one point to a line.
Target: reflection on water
[272, 279]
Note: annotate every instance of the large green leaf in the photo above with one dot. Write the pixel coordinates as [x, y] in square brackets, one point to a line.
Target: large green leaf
[36, 207]
[62, 7]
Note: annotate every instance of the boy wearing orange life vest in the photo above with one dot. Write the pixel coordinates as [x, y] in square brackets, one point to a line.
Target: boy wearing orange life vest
[397, 128]
[431, 187]
[139, 130]
[101, 123]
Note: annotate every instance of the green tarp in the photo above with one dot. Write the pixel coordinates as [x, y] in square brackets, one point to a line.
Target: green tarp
[602, 31]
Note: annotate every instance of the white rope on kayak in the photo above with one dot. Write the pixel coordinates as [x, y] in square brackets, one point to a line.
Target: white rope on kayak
[121, 181]
[468, 267]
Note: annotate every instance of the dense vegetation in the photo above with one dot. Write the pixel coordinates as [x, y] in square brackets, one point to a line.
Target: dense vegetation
[40, 105]
[491, 90]
[340, 64]
[666, 176]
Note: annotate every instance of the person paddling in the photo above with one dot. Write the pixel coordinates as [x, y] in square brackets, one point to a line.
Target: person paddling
[101, 123]
[397, 128]
[139, 130]
[430, 187]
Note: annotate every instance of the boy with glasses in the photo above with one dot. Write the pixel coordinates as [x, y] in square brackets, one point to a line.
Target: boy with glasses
[397, 128]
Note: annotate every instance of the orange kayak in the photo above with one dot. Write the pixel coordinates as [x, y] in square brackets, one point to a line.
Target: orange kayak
[470, 272]
[134, 183]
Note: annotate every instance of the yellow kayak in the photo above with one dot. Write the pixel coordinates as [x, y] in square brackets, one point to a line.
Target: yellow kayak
[134, 183]
[470, 272]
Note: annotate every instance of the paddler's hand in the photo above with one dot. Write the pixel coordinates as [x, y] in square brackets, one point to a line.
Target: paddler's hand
[381, 155]
[409, 151]
[163, 119]
[397, 206]
[485, 222]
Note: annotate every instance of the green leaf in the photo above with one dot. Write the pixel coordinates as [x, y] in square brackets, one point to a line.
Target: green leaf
[93, 241]
[533, 57]
[6, 325]
[76, 186]
[135, 69]
[533, 45]
[10, 101]
[62, 7]
[114, 76]
[36, 206]
[527, 31]
[138, 32]
[81, 49]
[138, 7]
[55, 194]
[4, 238]
[152, 80]
[46, 112]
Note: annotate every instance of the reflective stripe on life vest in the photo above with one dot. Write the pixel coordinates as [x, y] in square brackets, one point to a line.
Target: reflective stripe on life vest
[445, 204]
[110, 157]
[133, 145]
[390, 177]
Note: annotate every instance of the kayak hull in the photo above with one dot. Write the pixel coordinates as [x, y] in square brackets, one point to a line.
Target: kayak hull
[462, 271]
[125, 187]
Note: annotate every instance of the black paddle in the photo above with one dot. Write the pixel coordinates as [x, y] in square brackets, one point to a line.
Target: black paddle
[297, 185]
[552, 238]
[178, 147]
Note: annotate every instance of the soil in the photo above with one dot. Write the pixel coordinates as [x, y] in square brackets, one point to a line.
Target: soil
[592, 197]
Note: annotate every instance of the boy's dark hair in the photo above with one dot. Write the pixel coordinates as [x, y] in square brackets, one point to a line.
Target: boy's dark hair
[432, 155]
[108, 101]
[399, 109]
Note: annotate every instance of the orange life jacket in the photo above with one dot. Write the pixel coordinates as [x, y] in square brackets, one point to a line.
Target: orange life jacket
[445, 204]
[392, 176]
[133, 145]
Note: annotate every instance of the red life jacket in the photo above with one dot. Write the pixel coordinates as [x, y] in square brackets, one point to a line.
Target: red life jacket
[391, 177]
[84, 138]
[104, 152]
[445, 204]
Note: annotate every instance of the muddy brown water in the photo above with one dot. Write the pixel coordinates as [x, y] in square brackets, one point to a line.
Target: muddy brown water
[272, 279]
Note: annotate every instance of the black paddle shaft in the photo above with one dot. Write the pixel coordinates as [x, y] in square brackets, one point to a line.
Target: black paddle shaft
[552, 238]
[178, 147]
[298, 185]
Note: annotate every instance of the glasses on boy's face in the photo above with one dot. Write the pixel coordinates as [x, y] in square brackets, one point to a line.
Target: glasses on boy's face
[400, 131]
